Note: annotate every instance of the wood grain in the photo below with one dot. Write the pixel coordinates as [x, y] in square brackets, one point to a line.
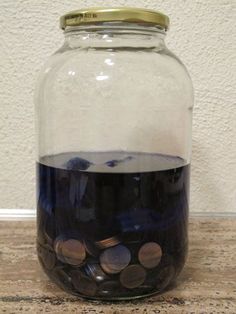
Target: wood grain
[207, 284]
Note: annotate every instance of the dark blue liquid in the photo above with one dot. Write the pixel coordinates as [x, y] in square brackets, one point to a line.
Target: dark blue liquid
[110, 198]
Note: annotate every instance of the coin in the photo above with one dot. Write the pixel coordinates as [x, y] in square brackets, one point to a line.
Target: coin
[84, 284]
[47, 256]
[133, 276]
[90, 248]
[75, 275]
[58, 248]
[48, 239]
[49, 230]
[62, 276]
[108, 288]
[114, 259]
[106, 243]
[165, 277]
[150, 254]
[40, 238]
[96, 272]
[45, 232]
[73, 252]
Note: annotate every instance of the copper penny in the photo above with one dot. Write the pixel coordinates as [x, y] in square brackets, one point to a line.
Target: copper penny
[73, 252]
[75, 275]
[133, 276]
[150, 255]
[114, 259]
[106, 243]
[84, 284]
[58, 249]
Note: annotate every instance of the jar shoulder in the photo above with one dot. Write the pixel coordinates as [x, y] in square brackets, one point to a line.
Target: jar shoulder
[152, 59]
[152, 70]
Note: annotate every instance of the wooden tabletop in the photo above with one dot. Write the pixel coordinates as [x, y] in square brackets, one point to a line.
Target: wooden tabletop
[207, 284]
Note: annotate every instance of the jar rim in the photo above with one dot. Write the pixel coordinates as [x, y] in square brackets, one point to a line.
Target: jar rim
[96, 15]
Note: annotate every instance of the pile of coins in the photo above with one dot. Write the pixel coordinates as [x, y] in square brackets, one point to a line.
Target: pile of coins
[106, 268]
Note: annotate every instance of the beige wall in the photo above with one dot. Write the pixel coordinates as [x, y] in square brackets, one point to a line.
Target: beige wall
[202, 34]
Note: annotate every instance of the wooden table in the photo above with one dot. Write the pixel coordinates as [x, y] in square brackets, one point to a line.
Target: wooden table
[207, 284]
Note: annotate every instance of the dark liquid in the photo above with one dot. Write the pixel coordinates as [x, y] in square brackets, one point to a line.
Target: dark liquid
[120, 202]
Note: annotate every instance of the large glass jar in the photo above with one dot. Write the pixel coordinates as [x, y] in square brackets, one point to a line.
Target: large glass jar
[114, 116]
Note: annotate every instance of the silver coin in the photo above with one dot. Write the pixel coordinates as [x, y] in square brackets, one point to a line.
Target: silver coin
[133, 276]
[95, 272]
[114, 259]
[150, 255]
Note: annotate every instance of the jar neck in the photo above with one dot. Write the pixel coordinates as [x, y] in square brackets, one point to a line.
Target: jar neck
[115, 35]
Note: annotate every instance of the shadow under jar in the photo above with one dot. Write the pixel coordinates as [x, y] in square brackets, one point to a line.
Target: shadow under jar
[114, 116]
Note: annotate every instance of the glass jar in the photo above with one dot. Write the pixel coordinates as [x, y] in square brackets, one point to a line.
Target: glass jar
[114, 116]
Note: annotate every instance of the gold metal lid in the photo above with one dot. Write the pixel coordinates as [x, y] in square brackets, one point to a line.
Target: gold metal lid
[114, 14]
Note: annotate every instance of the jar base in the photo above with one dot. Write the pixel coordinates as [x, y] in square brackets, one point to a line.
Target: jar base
[72, 291]
[120, 299]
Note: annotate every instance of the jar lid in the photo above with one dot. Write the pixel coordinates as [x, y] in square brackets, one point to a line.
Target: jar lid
[114, 14]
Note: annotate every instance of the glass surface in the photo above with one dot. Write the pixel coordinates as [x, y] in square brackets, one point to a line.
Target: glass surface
[114, 118]
[114, 88]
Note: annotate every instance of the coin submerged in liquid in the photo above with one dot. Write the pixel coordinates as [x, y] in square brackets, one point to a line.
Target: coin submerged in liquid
[150, 255]
[47, 256]
[95, 272]
[58, 249]
[109, 242]
[62, 276]
[114, 259]
[133, 276]
[90, 248]
[84, 284]
[73, 252]
[70, 251]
